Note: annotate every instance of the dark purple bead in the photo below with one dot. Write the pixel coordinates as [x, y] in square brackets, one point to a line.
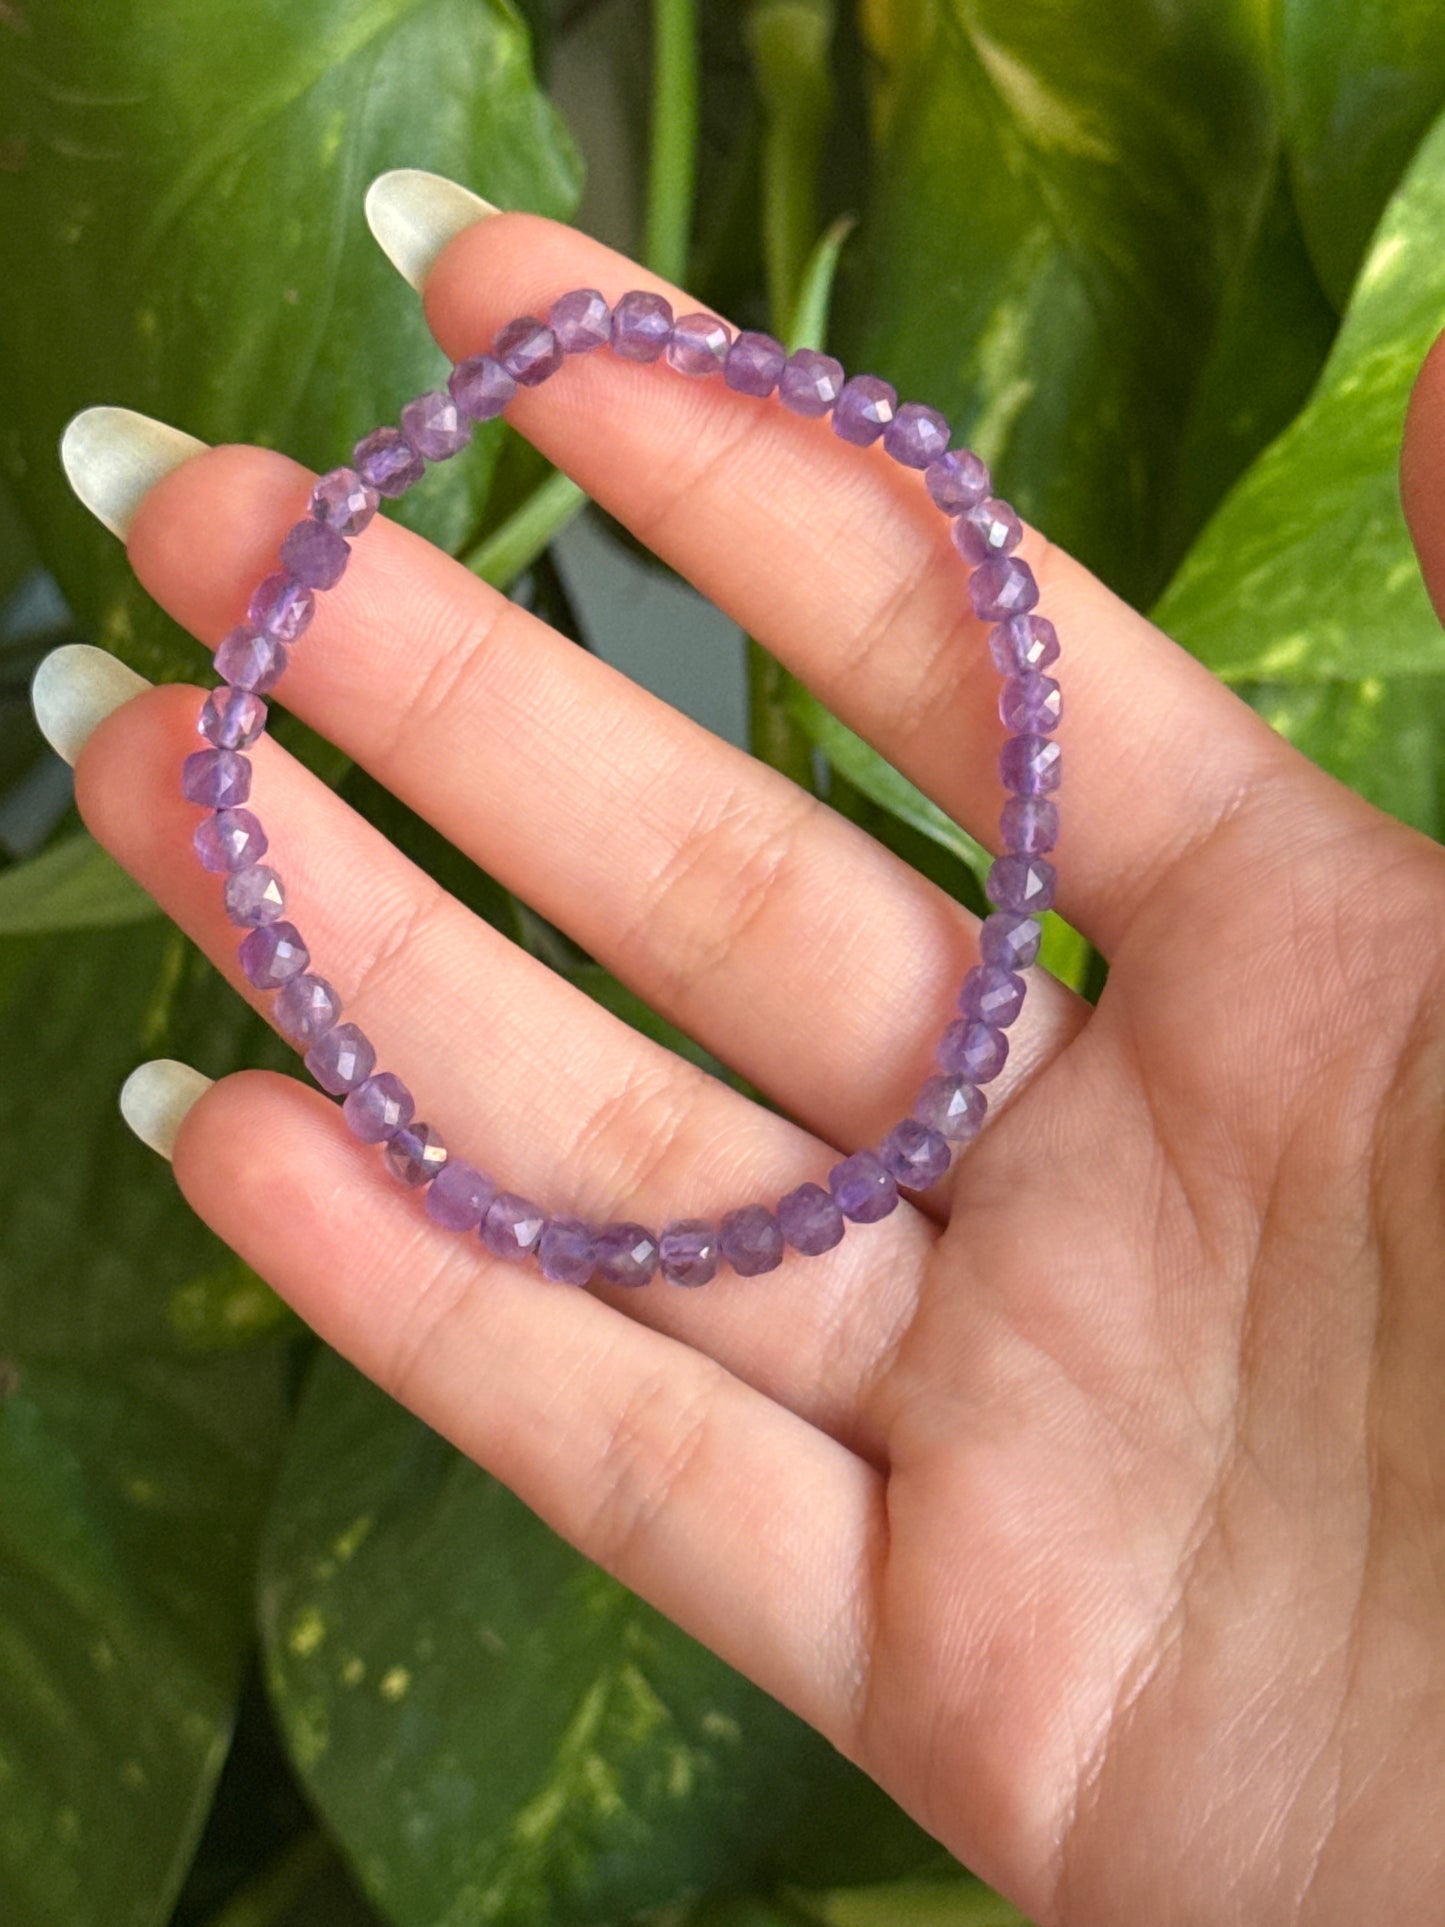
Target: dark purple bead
[229, 840]
[378, 1107]
[1009, 940]
[232, 718]
[864, 410]
[957, 480]
[281, 608]
[581, 321]
[989, 528]
[810, 1220]
[254, 896]
[343, 502]
[512, 1227]
[386, 461]
[914, 1154]
[641, 326]
[992, 995]
[952, 1107]
[973, 1051]
[481, 387]
[624, 1254]
[863, 1189]
[1002, 587]
[1021, 883]
[416, 1154]
[218, 778]
[810, 382]
[460, 1196]
[315, 554]
[1031, 765]
[435, 426]
[917, 436]
[698, 344]
[754, 363]
[1029, 825]
[751, 1240]
[341, 1059]
[250, 660]
[1023, 645]
[1031, 704]
[566, 1251]
[272, 953]
[687, 1252]
[528, 350]
[304, 1010]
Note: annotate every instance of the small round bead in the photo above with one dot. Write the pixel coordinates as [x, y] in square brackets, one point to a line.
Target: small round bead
[581, 321]
[481, 387]
[864, 410]
[250, 660]
[989, 528]
[687, 1252]
[254, 896]
[220, 779]
[232, 718]
[566, 1251]
[1023, 645]
[229, 840]
[751, 1240]
[528, 350]
[304, 1010]
[1010, 940]
[459, 1196]
[863, 1188]
[957, 480]
[341, 1059]
[917, 436]
[1002, 587]
[416, 1154]
[973, 1051]
[1021, 883]
[992, 995]
[378, 1107]
[343, 502]
[1031, 765]
[698, 345]
[810, 382]
[953, 1107]
[810, 1220]
[754, 363]
[281, 607]
[273, 953]
[624, 1254]
[434, 425]
[386, 461]
[1031, 704]
[914, 1154]
[641, 325]
[1029, 825]
[314, 554]
[512, 1227]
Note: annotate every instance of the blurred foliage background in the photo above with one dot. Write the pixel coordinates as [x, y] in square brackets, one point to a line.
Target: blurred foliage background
[270, 1653]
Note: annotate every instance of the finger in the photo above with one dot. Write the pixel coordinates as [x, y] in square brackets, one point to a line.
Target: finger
[1422, 472]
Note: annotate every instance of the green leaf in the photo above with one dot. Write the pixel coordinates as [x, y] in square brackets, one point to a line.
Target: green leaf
[495, 1730]
[1384, 737]
[916, 1903]
[74, 885]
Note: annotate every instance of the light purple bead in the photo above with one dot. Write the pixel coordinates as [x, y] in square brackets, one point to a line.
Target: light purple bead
[914, 1154]
[973, 1051]
[810, 1220]
[1021, 883]
[512, 1227]
[459, 1196]
[250, 660]
[1031, 765]
[1023, 645]
[343, 502]
[341, 1059]
[435, 426]
[305, 1009]
[687, 1252]
[416, 1154]
[864, 410]
[957, 480]
[624, 1254]
[863, 1189]
[1029, 825]
[273, 953]
[989, 528]
[810, 382]
[528, 350]
[698, 344]
[378, 1107]
[232, 718]
[917, 436]
[1031, 704]
[566, 1251]
[481, 387]
[581, 321]
[218, 778]
[281, 607]
[641, 325]
[254, 896]
[1009, 940]
[386, 461]
[754, 363]
[751, 1240]
[992, 995]
[229, 840]
[1002, 587]
[315, 554]
[953, 1107]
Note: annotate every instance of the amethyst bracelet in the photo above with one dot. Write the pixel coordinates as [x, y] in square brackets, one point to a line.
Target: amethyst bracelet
[377, 1106]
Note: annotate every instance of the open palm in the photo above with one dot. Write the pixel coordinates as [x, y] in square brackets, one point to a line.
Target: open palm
[1095, 1505]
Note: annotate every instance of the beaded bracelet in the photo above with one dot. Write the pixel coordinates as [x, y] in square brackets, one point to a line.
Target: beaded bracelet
[251, 660]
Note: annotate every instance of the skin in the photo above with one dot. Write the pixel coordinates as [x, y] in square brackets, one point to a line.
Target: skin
[1096, 1504]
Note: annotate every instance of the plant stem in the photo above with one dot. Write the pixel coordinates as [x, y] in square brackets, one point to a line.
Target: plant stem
[278, 1887]
[501, 556]
[672, 162]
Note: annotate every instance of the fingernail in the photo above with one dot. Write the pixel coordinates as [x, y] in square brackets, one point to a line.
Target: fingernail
[414, 214]
[75, 688]
[155, 1097]
[114, 457]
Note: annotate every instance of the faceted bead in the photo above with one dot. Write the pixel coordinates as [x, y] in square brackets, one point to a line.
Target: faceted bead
[272, 953]
[341, 1059]
[914, 1154]
[624, 1254]
[698, 344]
[751, 1240]
[566, 1251]
[641, 325]
[864, 410]
[1031, 765]
[917, 436]
[990, 528]
[1031, 704]
[754, 363]
[304, 1010]
[378, 1107]
[528, 350]
[217, 778]
[254, 896]
[810, 382]
[281, 607]
[1002, 587]
[314, 554]
[250, 660]
[863, 1188]
[992, 994]
[957, 480]
[1023, 645]
[512, 1227]
[416, 1154]
[386, 461]
[435, 426]
[229, 840]
[460, 1196]
[952, 1107]
[581, 321]
[1029, 825]
[1021, 883]
[973, 1051]
[1009, 940]
[232, 718]
[810, 1220]
[343, 502]
[687, 1252]
[481, 387]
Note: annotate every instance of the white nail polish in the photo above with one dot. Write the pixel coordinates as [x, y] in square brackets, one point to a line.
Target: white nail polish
[74, 689]
[414, 214]
[114, 457]
[155, 1097]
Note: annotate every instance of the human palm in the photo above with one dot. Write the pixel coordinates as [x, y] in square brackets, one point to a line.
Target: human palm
[1092, 1504]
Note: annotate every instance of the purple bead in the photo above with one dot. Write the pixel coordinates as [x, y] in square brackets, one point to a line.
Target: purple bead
[481, 387]
[863, 1189]
[952, 1107]
[1009, 940]
[254, 896]
[957, 480]
[989, 528]
[1031, 765]
[917, 436]
[386, 461]
[1021, 883]
[304, 1010]
[416, 1154]
[810, 1220]
[992, 994]
[281, 608]
[378, 1107]
[528, 350]
[343, 502]
[687, 1252]
[273, 953]
[754, 363]
[581, 321]
[341, 1059]
[751, 1240]
[218, 778]
[566, 1251]
[512, 1227]
[232, 718]
[315, 554]
[435, 426]
[1031, 704]
[641, 325]
[973, 1051]
[914, 1154]
[1023, 645]
[460, 1196]
[864, 410]
[1029, 825]
[698, 344]
[1002, 587]
[624, 1254]
[251, 661]
[229, 840]
[810, 382]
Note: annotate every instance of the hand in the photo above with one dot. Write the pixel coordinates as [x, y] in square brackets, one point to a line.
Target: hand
[1095, 1505]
